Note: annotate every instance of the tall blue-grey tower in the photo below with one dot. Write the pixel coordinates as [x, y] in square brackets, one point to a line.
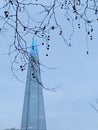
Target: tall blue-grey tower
[33, 116]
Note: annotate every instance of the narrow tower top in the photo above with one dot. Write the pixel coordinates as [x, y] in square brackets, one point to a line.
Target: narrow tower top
[34, 48]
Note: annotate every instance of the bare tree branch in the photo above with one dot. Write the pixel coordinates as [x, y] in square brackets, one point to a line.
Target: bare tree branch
[36, 19]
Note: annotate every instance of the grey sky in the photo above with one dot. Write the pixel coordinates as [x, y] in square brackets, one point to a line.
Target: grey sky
[76, 74]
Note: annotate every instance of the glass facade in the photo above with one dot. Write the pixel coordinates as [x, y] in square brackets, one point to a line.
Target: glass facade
[33, 116]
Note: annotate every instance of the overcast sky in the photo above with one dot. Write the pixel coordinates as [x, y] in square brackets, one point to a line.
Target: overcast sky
[76, 74]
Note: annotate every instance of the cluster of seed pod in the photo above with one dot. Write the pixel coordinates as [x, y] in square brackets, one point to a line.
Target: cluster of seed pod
[22, 68]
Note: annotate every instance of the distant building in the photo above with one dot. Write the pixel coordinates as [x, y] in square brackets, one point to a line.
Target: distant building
[33, 116]
[11, 129]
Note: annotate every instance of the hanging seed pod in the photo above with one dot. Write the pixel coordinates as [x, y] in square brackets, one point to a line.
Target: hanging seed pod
[6, 13]
[42, 43]
[52, 27]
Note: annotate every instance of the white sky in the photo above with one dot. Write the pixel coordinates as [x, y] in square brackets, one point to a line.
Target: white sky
[76, 74]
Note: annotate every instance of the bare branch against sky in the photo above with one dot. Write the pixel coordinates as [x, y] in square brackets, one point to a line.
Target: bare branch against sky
[56, 26]
[41, 20]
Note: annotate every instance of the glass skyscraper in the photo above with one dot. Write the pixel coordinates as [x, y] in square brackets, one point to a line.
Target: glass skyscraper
[33, 116]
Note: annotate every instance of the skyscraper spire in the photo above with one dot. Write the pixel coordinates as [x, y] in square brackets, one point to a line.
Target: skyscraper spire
[34, 49]
[33, 116]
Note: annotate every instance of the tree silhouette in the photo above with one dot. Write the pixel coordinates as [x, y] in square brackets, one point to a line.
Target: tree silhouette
[38, 19]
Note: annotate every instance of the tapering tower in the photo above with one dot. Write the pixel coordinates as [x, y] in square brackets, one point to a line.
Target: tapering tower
[33, 116]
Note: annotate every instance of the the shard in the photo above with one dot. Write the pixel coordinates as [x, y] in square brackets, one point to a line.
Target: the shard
[33, 116]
